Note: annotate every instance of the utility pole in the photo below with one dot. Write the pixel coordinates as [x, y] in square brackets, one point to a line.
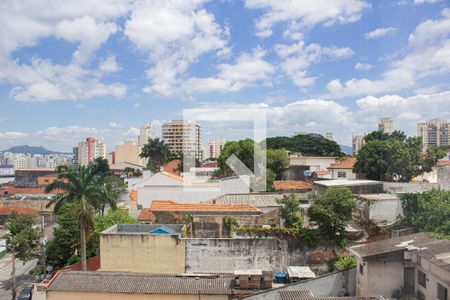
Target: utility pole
[13, 271]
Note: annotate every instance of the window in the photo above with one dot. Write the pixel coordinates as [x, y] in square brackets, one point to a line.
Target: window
[342, 174]
[422, 278]
[361, 269]
[442, 293]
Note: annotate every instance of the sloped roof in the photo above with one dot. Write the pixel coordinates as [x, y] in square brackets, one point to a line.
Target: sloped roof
[255, 199]
[93, 264]
[140, 283]
[167, 205]
[443, 163]
[307, 295]
[146, 215]
[292, 185]
[8, 210]
[345, 163]
[30, 191]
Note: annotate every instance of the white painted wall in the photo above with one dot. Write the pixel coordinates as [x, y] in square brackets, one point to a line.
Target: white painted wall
[348, 174]
[387, 210]
[315, 163]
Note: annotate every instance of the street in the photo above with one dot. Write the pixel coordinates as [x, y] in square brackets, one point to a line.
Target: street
[23, 278]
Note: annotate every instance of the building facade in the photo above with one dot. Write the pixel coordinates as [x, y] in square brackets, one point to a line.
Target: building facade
[357, 143]
[129, 152]
[90, 149]
[215, 147]
[183, 137]
[147, 131]
[386, 125]
[434, 133]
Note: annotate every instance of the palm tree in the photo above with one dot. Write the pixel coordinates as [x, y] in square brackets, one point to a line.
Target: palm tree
[157, 152]
[112, 189]
[83, 185]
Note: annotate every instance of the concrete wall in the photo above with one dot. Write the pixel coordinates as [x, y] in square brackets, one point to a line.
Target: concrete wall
[388, 210]
[269, 254]
[135, 252]
[434, 275]
[408, 187]
[54, 295]
[331, 285]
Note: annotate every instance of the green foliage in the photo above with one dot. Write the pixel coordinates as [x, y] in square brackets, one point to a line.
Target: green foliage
[157, 153]
[289, 211]
[394, 157]
[101, 166]
[24, 237]
[306, 144]
[343, 263]
[73, 260]
[228, 224]
[428, 211]
[243, 149]
[277, 161]
[332, 211]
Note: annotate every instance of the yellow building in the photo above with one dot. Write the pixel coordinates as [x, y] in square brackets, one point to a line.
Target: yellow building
[129, 152]
[79, 285]
[143, 248]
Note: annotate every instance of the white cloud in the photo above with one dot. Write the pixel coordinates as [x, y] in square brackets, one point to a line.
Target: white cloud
[136, 105]
[109, 65]
[363, 66]
[114, 125]
[427, 55]
[248, 70]
[379, 32]
[298, 58]
[427, 1]
[12, 135]
[302, 14]
[174, 34]
[132, 132]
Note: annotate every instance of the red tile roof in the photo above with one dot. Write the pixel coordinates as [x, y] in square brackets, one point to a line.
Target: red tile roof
[292, 185]
[93, 264]
[345, 163]
[146, 215]
[172, 167]
[167, 205]
[33, 191]
[8, 210]
[322, 172]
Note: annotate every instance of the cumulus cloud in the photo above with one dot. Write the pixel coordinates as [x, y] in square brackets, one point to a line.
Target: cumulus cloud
[109, 65]
[363, 66]
[300, 14]
[379, 32]
[427, 55]
[427, 1]
[298, 58]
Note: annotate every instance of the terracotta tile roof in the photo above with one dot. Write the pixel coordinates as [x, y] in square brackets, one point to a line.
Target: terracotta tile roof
[345, 163]
[133, 195]
[443, 163]
[172, 167]
[32, 191]
[140, 283]
[292, 185]
[146, 215]
[167, 205]
[93, 264]
[322, 172]
[8, 210]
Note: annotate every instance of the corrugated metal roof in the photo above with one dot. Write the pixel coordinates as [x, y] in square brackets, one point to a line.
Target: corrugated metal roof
[257, 199]
[140, 283]
[307, 295]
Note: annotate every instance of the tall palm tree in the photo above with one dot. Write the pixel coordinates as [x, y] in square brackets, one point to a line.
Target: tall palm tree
[157, 152]
[83, 185]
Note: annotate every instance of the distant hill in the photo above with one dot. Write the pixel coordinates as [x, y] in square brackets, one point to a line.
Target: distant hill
[31, 150]
[346, 149]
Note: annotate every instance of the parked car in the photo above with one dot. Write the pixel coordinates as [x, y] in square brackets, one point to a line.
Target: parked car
[25, 294]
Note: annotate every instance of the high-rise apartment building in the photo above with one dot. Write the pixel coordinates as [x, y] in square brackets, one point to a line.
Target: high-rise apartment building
[357, 143]
[434, 133]
[128, 152]
[386, 125]
[215, 147]
[329, 136]
[182, 136]
[147, 131]
[90, 149]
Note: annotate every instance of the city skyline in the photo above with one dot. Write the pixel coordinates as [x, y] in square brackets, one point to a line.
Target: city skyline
[316, 70]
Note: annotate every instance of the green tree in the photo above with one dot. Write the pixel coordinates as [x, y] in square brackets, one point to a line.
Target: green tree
[289, 211]
[228, 224]
[306, 144]
[277, 161]
[113, 187]
[24, 240]
[101, 166]
[243, 150]
[83, 185]
[66, 236]
[104, 222]
[428, 211]
[157, 153]
[332, 211]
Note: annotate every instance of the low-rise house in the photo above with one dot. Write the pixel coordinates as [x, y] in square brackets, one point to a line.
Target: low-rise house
[292, 186]
[357, 186]
[207, 219]
[379, 207]
[75, 285]
[7, 211]
[266, 202]
[29, 177]
[414, 265]
[343, 169]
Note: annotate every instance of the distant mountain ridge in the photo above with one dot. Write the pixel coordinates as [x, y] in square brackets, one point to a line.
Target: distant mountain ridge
[32, 150]
[346, 149]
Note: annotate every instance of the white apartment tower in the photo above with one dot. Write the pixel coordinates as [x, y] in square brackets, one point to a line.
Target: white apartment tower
[147, 131]
[434, 133]
[329, 136]
[357, 143]
[183, 136]
[90, 149]
[215, 147]
[386, 125]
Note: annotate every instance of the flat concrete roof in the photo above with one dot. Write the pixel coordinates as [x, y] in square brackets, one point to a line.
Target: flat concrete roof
[346, 182]
[379, 197]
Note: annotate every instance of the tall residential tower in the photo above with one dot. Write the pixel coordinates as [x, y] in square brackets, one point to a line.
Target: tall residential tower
[434, 133]
[183, 136]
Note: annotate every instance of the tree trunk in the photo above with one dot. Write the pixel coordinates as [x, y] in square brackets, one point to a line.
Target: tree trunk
[13, 275]
[83, 246]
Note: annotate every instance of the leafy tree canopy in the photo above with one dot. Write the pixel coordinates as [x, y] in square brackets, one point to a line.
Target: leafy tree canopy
[306, 144]
[332, 211]
[23, 236]
[289, 211]
[157, 152]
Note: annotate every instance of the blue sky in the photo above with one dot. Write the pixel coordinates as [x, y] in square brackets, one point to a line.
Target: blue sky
[72, 70]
